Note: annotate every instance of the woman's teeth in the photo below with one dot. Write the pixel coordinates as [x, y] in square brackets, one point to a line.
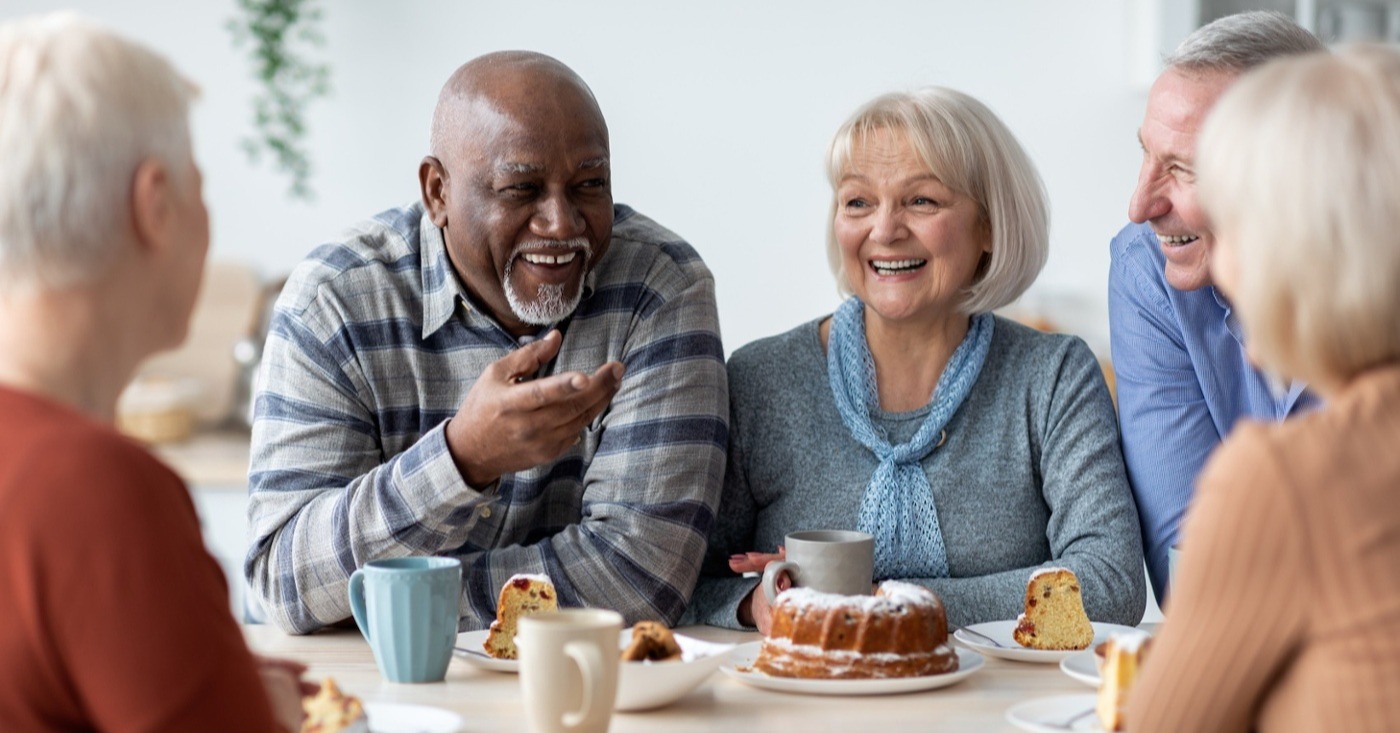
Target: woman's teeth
[1177, 241]
[543, 259]
[891, 267]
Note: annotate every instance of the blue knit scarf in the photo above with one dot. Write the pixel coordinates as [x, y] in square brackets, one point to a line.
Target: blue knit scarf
[898, 505]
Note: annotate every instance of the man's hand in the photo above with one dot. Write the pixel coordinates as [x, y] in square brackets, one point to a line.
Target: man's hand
[509, 422]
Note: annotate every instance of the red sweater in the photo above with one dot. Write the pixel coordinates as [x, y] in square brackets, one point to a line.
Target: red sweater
[113, 616]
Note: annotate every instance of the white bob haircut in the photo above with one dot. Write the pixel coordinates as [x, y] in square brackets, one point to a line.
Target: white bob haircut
[80, 109]
[1299, 170]
[967, 147]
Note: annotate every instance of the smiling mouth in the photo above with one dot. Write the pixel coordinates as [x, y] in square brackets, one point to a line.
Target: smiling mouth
[546, 259]
[1168, 240]
[895, 267]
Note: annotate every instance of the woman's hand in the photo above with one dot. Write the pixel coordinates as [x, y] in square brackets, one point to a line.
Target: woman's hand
[754, 610]
[285, 688]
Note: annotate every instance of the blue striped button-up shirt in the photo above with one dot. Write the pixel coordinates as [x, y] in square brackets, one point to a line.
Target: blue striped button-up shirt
[1183, 382]
[372, 348]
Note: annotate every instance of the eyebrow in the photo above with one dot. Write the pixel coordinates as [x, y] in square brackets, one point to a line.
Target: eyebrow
[593, 163]
[911, 179]
[519, 168]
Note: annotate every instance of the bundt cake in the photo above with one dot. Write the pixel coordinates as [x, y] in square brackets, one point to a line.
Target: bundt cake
[1123, 655]
[651, 642]
[1054, 617]
[901, 631]
[522, 595]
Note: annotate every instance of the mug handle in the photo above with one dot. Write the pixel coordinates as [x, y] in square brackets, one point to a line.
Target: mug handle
[590, 667]
[357, 602]
[770, 577]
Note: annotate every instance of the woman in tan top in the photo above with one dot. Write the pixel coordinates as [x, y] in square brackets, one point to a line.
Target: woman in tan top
[1286, 604]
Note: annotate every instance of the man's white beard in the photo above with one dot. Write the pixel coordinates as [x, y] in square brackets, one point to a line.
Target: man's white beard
[549, 305]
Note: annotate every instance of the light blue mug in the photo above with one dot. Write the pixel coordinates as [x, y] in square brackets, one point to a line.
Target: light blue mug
[407, 609]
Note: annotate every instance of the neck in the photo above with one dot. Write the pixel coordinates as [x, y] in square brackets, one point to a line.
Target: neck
[67, 346]
[910, 356]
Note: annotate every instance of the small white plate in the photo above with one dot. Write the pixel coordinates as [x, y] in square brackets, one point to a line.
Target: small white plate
[1054, 714]
[740, 667]
[470, 650]
[386, 717]
[650, 685]
[1083, 667]
[1001, 631]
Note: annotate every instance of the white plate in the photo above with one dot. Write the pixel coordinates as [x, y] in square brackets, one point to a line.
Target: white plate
[385, 717]
[1009, 649]
[650, 685]
[740, 667]
[470, 650]
[1049, 714]
[1082, 666]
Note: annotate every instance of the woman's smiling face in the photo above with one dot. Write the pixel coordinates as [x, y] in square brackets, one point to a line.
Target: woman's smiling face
[910, 245]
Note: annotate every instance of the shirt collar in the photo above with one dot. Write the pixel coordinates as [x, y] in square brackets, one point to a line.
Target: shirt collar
[443, 292]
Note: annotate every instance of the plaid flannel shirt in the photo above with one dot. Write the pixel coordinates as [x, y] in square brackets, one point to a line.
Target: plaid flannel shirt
[373, 346]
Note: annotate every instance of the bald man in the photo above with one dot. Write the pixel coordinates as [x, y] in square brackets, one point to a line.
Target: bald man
[513, 371]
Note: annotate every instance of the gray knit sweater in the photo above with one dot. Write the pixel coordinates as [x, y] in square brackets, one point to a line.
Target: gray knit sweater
[1031, 476]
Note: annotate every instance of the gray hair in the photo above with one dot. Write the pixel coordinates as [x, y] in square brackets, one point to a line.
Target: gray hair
[967, 147]
[80, 109]
[1299, 169]
[1242, 41]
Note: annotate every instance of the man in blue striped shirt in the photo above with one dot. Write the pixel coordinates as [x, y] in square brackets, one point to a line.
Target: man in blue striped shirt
[1178, 351]
[515, 372]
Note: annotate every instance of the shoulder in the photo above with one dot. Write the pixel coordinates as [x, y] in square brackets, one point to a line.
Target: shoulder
[644, 252]
[774, 354]
[776, 369]
[384, 250]
[1024, 350]
[1136, 266]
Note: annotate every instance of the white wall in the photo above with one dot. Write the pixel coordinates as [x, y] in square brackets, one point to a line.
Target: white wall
[720, 113]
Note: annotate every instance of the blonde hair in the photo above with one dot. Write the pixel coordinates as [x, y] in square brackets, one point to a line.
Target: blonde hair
[80, 109]
[1299, 170]
[967, 147]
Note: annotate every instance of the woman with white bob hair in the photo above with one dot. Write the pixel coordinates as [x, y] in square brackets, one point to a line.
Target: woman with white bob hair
[1287, 595]
[974, 449]
[113, 616]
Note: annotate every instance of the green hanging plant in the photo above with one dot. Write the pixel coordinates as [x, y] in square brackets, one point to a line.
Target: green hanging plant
[279, 31]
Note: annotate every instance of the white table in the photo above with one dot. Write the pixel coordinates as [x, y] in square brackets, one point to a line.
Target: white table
[490, 701]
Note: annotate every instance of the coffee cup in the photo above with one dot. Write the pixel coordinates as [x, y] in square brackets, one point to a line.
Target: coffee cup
[568, 669]
[406, 607]
[829, 560]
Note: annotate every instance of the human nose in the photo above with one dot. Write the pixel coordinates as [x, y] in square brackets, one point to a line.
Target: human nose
[887, 227]
[1149, 201]
[557, 219]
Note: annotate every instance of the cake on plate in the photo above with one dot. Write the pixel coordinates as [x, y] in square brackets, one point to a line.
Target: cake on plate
[331, 711]
[652, 642]
[1123, 655]
[901, 631]
[522, 595]
[1054, 617]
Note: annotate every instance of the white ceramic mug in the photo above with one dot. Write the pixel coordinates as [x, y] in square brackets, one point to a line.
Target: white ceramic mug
[568, 669]
[829, 560]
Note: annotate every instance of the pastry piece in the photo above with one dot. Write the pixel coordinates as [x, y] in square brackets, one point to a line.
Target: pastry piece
[330, 711]
[901, 631]
[1123, 656]
[651, 641]
[1054, 617]
[522, 595]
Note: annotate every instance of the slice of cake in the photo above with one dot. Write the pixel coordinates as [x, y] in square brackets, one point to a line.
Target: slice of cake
[522, 595]
[652, 642]
[901, 631]
[1054, 617]
[1123, 655]
[331, 711]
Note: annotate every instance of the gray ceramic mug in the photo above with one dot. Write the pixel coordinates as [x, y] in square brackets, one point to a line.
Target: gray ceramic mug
[829, 560]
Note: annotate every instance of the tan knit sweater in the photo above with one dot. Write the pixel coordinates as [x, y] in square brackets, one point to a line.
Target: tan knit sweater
[1285, 613]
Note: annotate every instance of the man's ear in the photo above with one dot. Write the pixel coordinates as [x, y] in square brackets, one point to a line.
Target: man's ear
[432, 179]
[151, 205]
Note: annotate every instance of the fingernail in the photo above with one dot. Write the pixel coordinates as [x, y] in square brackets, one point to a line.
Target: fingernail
[733, 558]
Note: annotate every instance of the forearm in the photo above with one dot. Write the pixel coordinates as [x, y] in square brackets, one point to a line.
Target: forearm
[311, 528]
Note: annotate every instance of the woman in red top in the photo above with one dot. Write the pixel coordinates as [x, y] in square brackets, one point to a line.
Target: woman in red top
[115, 617]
